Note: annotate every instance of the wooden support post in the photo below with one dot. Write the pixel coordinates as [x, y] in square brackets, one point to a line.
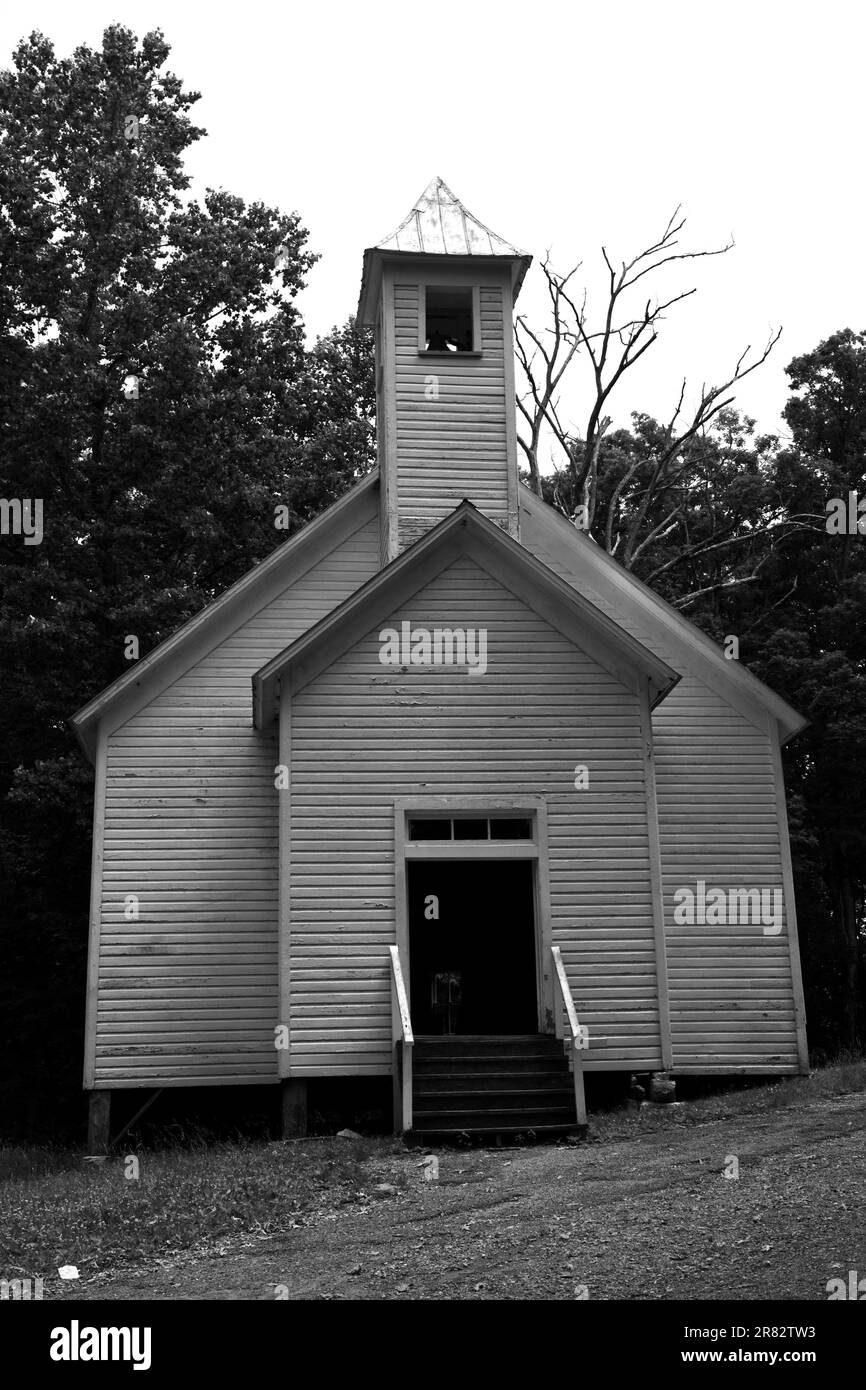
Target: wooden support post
[406, 1088]
[98, 1121]
[398, 1090]
[294, 1103]
[137, 1116]
[579, 1093]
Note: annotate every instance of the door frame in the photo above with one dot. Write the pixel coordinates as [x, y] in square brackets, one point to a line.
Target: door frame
[531, 808]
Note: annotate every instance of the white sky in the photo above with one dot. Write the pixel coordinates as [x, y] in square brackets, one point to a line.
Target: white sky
[561, 126]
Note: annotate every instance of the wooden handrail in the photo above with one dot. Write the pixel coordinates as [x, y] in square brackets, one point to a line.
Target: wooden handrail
[578, 1035]
[403, 1039]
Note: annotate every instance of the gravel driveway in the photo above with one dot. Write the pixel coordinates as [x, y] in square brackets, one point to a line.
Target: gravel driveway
[649, 1217]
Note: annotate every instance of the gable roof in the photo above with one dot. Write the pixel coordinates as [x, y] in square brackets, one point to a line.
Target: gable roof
[627, 592]
[186, 646]
[437, 224]
[464, 532]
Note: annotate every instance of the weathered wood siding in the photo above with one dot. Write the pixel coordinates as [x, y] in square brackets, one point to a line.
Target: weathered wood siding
[456, 445]
[731, 988]
[187, 995]
[730, 985]
[363, 734]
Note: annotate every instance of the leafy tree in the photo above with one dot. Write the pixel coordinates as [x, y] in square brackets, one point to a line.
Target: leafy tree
[343, 393]
[705, 525]
[157, 396]
[758, 562]
[809, 642]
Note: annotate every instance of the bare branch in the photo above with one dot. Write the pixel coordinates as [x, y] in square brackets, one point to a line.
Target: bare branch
[610, 350]
[792, 522]
[691, 598]
[677, 256]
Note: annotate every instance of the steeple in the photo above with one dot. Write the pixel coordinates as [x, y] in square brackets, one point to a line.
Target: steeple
[440, 291]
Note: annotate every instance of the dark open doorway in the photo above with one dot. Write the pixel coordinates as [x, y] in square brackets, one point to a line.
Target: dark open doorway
[472, 946]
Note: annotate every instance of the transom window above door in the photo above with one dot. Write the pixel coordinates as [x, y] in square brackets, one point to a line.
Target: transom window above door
[470, 828]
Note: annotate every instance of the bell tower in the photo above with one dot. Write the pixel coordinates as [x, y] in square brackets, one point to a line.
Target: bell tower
[440, 292]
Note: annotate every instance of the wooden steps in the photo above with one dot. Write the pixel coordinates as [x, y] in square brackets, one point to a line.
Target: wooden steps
[482, 1086]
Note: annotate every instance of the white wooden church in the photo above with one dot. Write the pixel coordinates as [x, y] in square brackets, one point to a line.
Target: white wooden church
[438, 791]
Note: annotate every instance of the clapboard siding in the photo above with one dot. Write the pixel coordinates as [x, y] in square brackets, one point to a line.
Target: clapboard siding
[363, 734]
[730, 986]
[188, 993]
[455, 445]
[731, 989]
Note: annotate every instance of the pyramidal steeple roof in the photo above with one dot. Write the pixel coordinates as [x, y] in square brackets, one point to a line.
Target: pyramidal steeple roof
[438, 224]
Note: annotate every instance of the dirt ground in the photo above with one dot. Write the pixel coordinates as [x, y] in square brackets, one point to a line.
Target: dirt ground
[650, 1217]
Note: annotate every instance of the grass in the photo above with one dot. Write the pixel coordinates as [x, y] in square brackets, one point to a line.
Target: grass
[842, 1078]
[58, 1210]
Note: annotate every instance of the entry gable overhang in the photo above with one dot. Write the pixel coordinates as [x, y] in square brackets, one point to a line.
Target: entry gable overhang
[466, 532]
[190, 642]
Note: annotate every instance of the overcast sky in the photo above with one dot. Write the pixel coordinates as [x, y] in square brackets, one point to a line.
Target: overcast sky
[563, 126]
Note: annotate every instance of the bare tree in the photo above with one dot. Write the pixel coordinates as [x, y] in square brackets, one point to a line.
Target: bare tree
[611, 350]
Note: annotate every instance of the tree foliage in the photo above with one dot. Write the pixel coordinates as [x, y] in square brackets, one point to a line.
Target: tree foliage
[751, 556]
[808, 640]
[157, 395]
[731, 528]
[159, 399]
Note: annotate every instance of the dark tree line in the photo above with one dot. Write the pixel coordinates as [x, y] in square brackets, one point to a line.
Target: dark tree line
[732, 528]
[156, 392]
[758, 562]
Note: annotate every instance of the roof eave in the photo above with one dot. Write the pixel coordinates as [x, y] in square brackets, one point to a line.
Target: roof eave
[85, 721]
[790, 722]
[375, 258]
[795, 728]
